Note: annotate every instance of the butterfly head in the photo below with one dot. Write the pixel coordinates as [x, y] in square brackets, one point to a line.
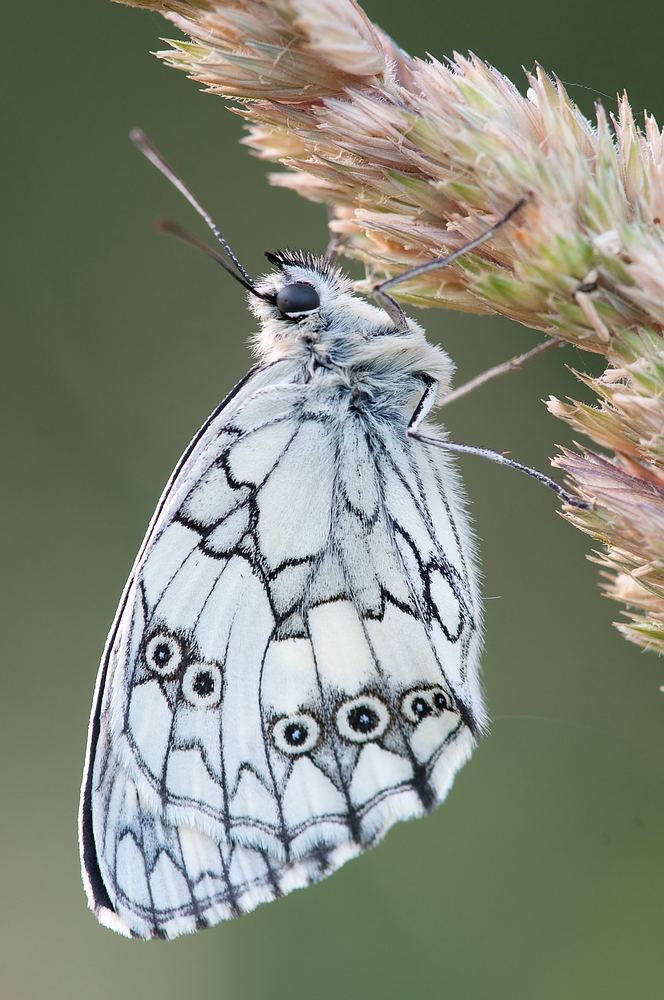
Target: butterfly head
[309, 312]
[302, 288]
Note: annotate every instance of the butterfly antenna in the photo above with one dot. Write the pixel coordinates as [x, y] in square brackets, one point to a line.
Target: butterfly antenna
[392, 307]
[169, 226]
[440, 263]
[139, 137]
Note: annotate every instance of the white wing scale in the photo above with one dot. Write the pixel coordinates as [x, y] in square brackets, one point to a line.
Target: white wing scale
[291, 671]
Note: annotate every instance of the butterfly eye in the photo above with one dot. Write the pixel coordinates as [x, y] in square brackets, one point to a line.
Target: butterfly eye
[298, 297]
[163, 654]
[201, 685]
[296, 734]
[422, 702]
[363, 719]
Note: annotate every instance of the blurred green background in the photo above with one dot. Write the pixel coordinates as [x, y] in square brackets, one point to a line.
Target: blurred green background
[542, 875]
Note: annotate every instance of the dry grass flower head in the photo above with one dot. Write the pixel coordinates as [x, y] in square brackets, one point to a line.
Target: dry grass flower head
[414, 158]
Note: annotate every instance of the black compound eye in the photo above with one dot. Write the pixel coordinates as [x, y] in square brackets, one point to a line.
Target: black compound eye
[299, 297]
[296, 734]
[362, 719]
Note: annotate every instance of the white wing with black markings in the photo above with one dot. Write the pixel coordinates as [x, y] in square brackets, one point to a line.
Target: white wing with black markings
[293, 667]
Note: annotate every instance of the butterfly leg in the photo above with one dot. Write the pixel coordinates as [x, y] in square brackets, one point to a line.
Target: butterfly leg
[393, 309]
[425, 406]
[514, 364]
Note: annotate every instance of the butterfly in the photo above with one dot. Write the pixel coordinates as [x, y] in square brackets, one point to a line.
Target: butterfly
[294, 664]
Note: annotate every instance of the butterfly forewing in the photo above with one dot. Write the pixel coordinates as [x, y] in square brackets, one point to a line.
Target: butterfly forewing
[293, 666]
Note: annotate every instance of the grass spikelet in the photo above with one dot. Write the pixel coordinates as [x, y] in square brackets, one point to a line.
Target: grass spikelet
[415, 158]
